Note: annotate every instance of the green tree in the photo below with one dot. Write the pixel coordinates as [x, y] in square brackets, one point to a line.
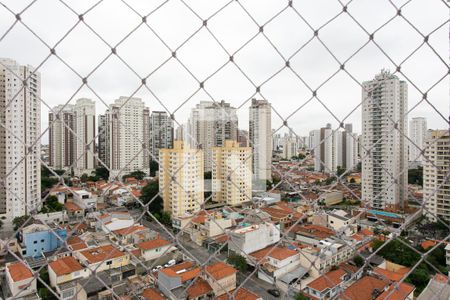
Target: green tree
[415, 176]
[301, 156]
[139, 175]
[419, 278]
[19, 221]
[148, 193]
[154, 167]
[102, 173]
[84, 177]
[238, 261]
[377, 244]
[207, 175]
[165, 219]
[358, 167]
[340, 171]
[300, 296]
[358, 260]
[399, 253]
[48, 182]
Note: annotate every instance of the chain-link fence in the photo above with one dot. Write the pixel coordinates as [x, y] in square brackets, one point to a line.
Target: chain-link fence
[384, 238]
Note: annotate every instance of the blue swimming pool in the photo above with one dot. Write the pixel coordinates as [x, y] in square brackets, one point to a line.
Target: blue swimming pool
[384, 213]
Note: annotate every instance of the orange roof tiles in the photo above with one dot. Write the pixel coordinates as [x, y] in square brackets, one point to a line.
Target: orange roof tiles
[242, 294]
[65, 265]
[72, 207]
[199, 288]
[190, 273]
[276, 252]
[199, 219]
[393, 276]
[366, 231]
[153, 244]
[317, 231]
[152, 294]
[276, 213]
[401, 293]
[76, 243]
[99, 254]
[18, 271]
[328, 280]
[220, 270]
[364, 287]
[129, 230]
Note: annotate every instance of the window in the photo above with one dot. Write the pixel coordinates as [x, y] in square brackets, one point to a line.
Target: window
[109, 262]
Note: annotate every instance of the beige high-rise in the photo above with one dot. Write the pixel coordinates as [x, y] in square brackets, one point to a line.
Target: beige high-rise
[436, 168]
[61, 137]
[232, 173]
[20, 146]
[181, 181]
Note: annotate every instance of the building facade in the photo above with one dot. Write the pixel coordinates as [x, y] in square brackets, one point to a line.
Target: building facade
[260, 133]
[436, 167]
[232, 174]
[181, 182]
[385, 150]
[103, 144]
[161, 133]
[417, 134]
[20, 112]
[85, 148]
[61, 137]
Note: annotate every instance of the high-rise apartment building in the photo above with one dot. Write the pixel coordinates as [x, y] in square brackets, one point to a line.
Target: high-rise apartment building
[72, 137]
[161, 133]
[210, 124]
[85, 148]
[289, 143]
[181, 182]
[260, 129]
[436, 167]
[232, 174]
[20, 116]
[385, 149]
[243, 138]
[61, 137]
[325, 154]
[180, 133]
[103, 145]
[417, 134]
[128, 136]
[349, 148]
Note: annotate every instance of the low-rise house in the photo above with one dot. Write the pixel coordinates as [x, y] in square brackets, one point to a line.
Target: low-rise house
[73, 210]
[312, 234]
[205, 226]
[154, 248]
[57, 217]
[340, 220]
[84, 199]
[254, 237]
[20, 280]
[152, 294]
[75, 243]
[37, 239]
[133, 235]
[391, 271]
[328, 285]
[71, 290]
[221, 277]
[366, 288]
[404, 291]
[331, 198]
[111, 221]
[176, 276]
[276, 261]
[200, 289]
[240, 294]
[103, 258]
[66, 269]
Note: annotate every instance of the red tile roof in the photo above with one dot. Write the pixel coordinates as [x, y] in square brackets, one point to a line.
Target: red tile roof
[393, 276]
[328, 280]
[199, 288]
[364, 287]
[152, 294]
[316, 231]
[72, 207]
[65, 265]
[99, 254]
[18, 271]
[190, 273]
[276, 252]
[242, 294]
[153, 244]
[76, 243]
[401, 293]
[129, 230]
[220, 270]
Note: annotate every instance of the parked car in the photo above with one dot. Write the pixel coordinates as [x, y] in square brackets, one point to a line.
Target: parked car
[274, 292]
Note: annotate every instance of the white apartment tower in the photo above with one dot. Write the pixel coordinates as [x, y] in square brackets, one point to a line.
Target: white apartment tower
[181, 182]
[102, 148]
[436, 169]
[20, 147]
[232, 174]
[161, 132]
[385, 150]
[210, 124]
[85, 149]
[128, 136]
[417, 134]
[260, 132]
[61, 137]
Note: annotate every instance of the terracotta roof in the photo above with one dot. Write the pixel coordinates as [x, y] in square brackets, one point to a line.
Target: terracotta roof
[190, 273]
[391, 275]
[65, 265]
[242, 294]
[328, 280]
[152, 294]
[72, 207]
[364, 287]
[366, 231]
[441, 278]
[428, 244]
[99, 254]
[129, 230]
[222, 238]
[136, 252]
[153, 244]
[276, 252]
[18, 271]
[220, 270]
[317, 231]
[199, 219]
[401, 293]
[199, 288]
[276, 213]
[136, 193]
[76, 243]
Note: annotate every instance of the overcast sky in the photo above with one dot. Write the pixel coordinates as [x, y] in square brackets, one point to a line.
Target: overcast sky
[202, 54]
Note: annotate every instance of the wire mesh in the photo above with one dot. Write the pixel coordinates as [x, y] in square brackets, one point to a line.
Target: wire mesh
[91, 259]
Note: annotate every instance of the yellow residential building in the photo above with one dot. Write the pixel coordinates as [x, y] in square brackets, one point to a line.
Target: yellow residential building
[232, 173]
[181, 181]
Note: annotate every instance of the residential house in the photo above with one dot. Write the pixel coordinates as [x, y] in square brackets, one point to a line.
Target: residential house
[206, 226]
[328, 285]
[254, 237]
[176, 276]
[154, 248]
[240, 294]
[366, 288]
[152, 294]
[221, 277]
[200, 289]
[133, 235]
[37, 239]
[312, 234]
[103, 258]
[66, 269]
[84, 199]
[20, 280]
[340, 220]
[111, 221]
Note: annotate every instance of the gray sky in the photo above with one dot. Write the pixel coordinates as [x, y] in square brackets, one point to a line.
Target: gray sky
[202, 55]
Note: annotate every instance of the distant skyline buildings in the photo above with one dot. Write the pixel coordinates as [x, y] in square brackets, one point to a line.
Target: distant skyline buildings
[161, 133]
[417, 135]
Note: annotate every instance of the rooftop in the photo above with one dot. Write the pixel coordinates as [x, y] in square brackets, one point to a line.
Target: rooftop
[277, 252]
[65, 265]
[152, 294]
[364, 288]
[220, 270]
[153, 244]
[185, 270]
[18, 271]
[401, 293]
[199, 288]
[99, 254]
[241, 294]
[328, 280]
